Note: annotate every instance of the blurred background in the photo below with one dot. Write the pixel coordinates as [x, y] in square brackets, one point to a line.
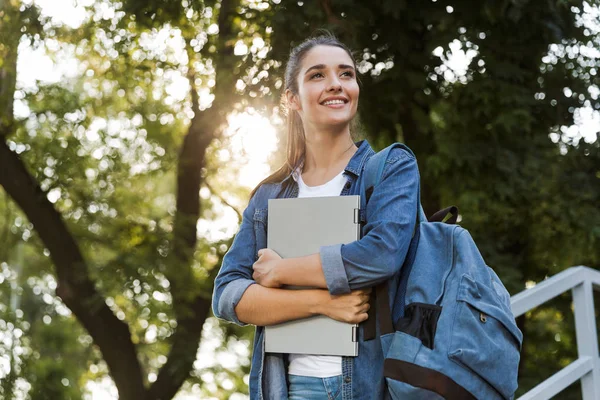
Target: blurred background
[132, 132]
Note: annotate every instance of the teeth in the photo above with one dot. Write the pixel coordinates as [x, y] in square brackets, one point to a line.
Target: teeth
[329, 102]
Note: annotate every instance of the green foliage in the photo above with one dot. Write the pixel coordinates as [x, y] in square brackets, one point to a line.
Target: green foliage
[488, 139]
[103, 143]
[48, 350]
[548, 333]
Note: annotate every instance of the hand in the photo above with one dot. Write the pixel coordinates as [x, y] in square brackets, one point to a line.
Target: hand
[351, 307]
[265, 268]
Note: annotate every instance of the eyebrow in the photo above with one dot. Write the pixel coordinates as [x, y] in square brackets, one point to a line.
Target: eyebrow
[322, 66]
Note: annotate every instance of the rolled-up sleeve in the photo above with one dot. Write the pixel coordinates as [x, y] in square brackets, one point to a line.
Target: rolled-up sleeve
[391, 216]
[333, 269]
[235, 275]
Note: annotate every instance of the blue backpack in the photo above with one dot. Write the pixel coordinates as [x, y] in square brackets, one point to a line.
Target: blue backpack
[450, 333]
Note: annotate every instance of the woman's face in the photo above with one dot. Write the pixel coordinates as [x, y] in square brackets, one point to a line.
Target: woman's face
[327, 88]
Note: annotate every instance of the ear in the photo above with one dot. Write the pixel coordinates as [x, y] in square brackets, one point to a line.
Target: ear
[292, 100]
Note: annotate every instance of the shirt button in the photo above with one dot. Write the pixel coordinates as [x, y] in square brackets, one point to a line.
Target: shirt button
[347, 379]
[347, 186]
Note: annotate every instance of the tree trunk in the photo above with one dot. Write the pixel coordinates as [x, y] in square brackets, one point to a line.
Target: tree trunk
[192, 308]
[75, 286]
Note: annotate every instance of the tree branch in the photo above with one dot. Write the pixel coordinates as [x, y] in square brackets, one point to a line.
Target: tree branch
[222, 199]
[332, 19]
[75, 286]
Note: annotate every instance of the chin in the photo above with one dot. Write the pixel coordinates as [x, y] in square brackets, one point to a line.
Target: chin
[337, 121]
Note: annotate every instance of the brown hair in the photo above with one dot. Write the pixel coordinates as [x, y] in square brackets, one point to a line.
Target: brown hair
[295, 130]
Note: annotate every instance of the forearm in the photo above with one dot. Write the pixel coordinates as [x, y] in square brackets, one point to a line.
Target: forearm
[302, 271]
[264, 306]
[391, 215]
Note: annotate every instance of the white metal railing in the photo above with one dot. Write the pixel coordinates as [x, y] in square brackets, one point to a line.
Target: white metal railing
[581, 281]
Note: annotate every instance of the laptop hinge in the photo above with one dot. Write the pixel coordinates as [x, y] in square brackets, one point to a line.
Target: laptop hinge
[355, 333]
[356, 216]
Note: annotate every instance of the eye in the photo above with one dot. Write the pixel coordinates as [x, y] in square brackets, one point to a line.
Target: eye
[348, 73]
[316, 75]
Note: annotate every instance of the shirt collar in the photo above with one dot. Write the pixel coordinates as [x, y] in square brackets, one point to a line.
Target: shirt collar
[358, 160]
[355, 165]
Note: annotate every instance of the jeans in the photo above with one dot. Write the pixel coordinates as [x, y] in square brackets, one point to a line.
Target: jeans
[311, 388]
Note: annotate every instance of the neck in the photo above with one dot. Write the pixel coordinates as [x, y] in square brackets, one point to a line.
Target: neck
[328, 151]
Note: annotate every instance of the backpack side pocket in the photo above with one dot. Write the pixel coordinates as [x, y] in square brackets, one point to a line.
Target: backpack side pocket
[485, 338]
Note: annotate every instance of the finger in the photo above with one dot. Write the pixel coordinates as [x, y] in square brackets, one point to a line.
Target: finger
[260, 252]
[361, 309]
[358, 318]
[364, 293]
[364, 299]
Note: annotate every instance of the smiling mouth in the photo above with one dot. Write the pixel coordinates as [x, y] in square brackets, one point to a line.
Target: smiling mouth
[333, 102]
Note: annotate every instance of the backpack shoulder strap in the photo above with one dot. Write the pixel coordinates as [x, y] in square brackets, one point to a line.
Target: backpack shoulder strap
[380, 308]
[373, 173]
[374, 166]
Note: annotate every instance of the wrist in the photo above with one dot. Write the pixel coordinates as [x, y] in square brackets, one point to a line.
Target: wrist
[280, 273]
[320, 300]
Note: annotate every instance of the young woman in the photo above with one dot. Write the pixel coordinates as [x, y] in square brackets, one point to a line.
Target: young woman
[321, 91]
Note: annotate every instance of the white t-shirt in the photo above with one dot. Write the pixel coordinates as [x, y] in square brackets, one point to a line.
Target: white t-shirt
[303, 364]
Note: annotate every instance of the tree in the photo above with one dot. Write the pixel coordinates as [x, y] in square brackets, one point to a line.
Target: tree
[104, 140]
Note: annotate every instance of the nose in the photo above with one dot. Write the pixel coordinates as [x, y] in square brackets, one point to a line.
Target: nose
[334, 85]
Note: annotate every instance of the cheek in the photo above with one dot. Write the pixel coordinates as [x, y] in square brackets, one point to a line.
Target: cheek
[306, 96]
[354, 90]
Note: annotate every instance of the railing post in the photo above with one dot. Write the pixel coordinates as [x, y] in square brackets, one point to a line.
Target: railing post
[587, 341]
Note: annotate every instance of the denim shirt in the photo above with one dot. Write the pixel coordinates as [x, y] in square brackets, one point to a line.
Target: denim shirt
[389, 219]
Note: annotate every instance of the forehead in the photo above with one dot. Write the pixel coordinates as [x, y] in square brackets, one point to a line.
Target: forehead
[327, 55]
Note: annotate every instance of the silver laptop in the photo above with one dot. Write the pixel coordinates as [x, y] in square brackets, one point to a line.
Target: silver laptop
[299, 227]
